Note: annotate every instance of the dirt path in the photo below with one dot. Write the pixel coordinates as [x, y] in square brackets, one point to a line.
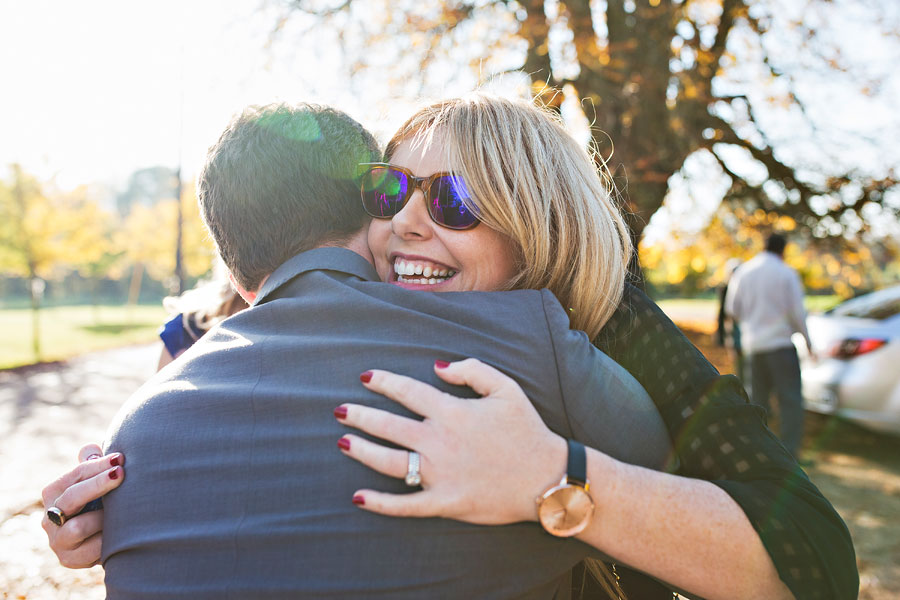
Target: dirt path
[47, 412]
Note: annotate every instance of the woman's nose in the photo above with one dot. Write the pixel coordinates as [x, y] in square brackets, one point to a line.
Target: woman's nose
[413, 222]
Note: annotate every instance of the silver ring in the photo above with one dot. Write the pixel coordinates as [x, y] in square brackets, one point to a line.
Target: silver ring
[413, 477]
[56, 516]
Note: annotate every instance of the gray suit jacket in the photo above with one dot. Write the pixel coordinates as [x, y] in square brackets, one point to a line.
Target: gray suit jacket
[235, 488]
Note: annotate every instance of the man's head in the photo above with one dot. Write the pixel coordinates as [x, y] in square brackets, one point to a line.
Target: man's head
[280, 180]
[776, 244]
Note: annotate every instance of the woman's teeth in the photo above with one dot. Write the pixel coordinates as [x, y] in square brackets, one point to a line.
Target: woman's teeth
[421, 273]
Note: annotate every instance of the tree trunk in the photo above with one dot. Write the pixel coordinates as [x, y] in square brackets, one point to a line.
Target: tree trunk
[134, 290]
[95, 296]
[35, 317]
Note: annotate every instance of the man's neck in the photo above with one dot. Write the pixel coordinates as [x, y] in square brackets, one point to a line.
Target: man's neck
[358, 243]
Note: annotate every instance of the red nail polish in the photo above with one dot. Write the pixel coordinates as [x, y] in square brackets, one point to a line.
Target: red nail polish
[359, 500]
[344, 444]
[441, 364]
[366, 377]
[116, 460]
[340, 412]
[114, 474]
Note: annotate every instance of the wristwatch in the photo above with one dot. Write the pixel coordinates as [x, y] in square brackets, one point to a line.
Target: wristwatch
[566, 509]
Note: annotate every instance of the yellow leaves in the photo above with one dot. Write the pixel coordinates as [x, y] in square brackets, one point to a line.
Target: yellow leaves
[47, 233]
[650, 256]
[674, 261]
[38, 229]
[674, 273]
[697, 262]
[705, 57]
[149, 235]
[785, 223]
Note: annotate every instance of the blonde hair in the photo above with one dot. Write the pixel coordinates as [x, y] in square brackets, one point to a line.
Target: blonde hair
[537, 185]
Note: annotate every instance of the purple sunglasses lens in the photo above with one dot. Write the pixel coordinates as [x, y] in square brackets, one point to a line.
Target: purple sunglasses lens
[384, 192]
[448, 206]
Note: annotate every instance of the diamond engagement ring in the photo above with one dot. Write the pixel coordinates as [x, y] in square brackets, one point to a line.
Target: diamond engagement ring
[413, 477]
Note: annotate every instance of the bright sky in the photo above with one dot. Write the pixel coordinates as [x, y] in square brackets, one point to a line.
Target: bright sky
[94, 90]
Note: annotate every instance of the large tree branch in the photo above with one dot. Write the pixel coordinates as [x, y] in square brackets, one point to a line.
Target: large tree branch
[871, 190]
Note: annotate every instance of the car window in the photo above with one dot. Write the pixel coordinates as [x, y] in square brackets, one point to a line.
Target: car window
[878, 311]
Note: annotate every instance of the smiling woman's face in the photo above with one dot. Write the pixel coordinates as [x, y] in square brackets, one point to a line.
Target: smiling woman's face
[416, 253]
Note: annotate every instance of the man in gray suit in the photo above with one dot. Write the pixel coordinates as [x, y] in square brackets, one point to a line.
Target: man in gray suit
[235, 488]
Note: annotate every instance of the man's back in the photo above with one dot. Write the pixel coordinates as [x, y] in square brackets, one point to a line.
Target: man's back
[766, 297]
[236, 489]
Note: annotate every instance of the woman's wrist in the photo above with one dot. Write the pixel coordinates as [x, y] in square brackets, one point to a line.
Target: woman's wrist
[604, 475]
[547, 473]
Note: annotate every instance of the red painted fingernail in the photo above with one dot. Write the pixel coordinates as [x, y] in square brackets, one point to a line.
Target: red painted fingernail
[344, 444]
[441, 364]
[340, 412]
[114, 474]
[116, 460]
[366, 377]
[359, 500]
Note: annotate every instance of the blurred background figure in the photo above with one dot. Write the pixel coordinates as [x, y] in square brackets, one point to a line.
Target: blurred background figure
[728, 332]
[765, 297]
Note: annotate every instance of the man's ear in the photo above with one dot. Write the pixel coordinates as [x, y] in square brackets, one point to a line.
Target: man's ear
[245, 294]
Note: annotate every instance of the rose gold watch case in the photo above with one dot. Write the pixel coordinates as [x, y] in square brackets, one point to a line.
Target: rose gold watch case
[565, 509]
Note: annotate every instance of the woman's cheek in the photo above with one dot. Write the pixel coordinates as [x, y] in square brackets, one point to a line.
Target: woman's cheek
[378, 236]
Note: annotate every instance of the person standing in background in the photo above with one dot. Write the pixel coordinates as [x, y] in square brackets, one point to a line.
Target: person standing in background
[728, 333]
[765, 297]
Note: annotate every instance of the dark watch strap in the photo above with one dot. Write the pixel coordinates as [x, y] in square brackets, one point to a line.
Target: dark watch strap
[576, 469]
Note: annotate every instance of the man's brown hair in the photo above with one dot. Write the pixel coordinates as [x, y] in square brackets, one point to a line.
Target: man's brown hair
[280, 180]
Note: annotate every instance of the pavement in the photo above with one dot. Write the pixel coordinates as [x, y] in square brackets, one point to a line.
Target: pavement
[47, 412]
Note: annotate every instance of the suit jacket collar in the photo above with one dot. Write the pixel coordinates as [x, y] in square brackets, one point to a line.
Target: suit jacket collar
[318, 259]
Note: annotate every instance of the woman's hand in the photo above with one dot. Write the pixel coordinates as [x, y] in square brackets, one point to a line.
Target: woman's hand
[483, 461]
[78, 540]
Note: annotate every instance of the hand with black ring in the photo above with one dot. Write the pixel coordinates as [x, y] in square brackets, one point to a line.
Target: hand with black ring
[75, 538]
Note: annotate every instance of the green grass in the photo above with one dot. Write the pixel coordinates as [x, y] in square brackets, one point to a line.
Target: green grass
[813, 303]
[67, 331]
[822, 303]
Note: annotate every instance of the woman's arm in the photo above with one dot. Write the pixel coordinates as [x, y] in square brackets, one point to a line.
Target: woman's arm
[686, 532]
[77, 542]
[721, 438]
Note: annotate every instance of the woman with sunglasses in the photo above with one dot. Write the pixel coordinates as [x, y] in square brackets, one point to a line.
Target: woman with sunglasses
[487, 194]
[482, 193]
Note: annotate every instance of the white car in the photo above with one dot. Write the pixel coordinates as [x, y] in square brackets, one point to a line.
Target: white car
[855, 372]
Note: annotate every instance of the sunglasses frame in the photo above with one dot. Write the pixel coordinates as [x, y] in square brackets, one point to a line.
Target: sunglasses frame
[418, 185]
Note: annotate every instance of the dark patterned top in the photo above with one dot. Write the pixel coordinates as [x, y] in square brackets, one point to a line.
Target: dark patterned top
[720, 437]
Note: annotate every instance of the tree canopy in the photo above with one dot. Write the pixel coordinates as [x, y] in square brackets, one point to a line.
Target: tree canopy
[659, 81]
